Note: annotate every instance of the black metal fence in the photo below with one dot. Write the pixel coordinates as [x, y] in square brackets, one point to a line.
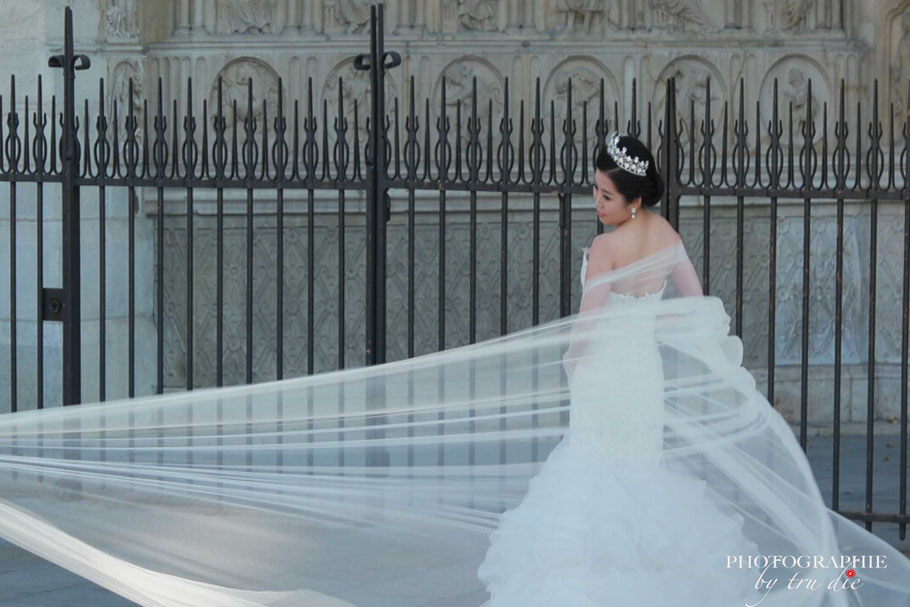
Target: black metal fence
[151, 145]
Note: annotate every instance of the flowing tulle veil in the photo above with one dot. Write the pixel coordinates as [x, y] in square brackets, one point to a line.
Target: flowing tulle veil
[381, 485]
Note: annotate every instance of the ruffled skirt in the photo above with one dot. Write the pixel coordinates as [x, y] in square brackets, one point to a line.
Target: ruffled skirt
[594, 532]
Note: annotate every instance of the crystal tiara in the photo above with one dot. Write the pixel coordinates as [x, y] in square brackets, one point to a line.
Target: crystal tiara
[621, 157]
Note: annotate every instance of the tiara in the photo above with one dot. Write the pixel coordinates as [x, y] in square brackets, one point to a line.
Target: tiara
[621, 157]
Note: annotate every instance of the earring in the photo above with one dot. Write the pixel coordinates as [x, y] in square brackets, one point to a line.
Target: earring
[633, 212]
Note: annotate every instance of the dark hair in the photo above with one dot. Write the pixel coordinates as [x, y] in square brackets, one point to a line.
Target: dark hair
[631, 186]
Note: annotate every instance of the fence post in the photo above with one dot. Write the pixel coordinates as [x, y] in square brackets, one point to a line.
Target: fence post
[670, 160]
[377, 213]
[69, 62]
[377, 208]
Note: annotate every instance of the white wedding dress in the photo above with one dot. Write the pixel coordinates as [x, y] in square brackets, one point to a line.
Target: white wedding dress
[603, 523]
[474, 474]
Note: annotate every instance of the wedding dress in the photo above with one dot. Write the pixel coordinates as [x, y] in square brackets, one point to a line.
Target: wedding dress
[618, 456]
[603, 523]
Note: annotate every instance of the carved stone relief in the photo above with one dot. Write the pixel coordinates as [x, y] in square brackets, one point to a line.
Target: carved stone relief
[459, 81]
[236, 78]
[355, 91]
[470, 15]
[738, 14]
[692, 75]
[793, 74]
[247, 16]
[679, 15]
[581, 16]
[122, 20]
[586, 75]
[120, 78]
[788, 15]
[900, 63]
[351, 16]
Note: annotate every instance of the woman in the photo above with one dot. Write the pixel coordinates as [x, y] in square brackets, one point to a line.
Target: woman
[614, 518]
[657, 474]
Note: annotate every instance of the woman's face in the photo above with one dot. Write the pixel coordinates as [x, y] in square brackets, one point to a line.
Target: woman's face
[612, 208]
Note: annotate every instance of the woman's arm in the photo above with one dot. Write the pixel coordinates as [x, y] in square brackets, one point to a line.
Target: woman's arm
[684, 277]
[600, 261]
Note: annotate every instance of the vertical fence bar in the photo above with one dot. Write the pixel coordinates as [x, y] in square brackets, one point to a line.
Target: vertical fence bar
[569, 163]
[383, 210]
[872, 166]
[159, 148]
[189, 163]
[905, 321]
[565, 208]
[311, 162]
[249, 146]
[538, 161]
[40, 150]
[412, 155]
[72, 369]
[102, 205]
[133, 206]
[665, 151]
[707, 132]
[807, 169]
[473, 160]
[673, 157]
[342, 150]
[776, 130]
[506, 158]
[840, 132]
[445, 160]
[377, 211]
[220, 158]
[740, 155]
[13, 164]
[370, 62]
[280, 158]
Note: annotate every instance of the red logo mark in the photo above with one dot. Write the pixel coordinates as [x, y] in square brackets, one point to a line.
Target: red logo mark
[851, 572]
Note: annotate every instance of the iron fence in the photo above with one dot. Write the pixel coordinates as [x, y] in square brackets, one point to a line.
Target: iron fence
[706, 157]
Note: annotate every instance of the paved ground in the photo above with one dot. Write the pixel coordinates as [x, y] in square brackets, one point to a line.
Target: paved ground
[28, 581]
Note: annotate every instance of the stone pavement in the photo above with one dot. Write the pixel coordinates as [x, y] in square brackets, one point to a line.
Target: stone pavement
[29, 581]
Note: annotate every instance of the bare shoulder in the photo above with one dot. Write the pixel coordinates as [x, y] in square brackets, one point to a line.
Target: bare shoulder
[667, 234]
[602, 254]
[605, 243]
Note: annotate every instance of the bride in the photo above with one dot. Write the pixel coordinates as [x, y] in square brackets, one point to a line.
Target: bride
[608, 526]
[607, 522]
[620, 456]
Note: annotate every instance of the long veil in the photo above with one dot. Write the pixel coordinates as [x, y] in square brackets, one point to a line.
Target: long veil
[381, 485]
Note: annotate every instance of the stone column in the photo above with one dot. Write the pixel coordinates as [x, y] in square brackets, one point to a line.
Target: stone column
[733, 14]
[410, 15]
[630, 18]
[514, 15]
[837, 14]
[293, 19]
[198, 22]
[182, 16]
[429, 15]
[521, 14]
[312, 17]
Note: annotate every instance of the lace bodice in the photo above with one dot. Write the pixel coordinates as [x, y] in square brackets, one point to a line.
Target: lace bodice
[617, 405]
[616, 295]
